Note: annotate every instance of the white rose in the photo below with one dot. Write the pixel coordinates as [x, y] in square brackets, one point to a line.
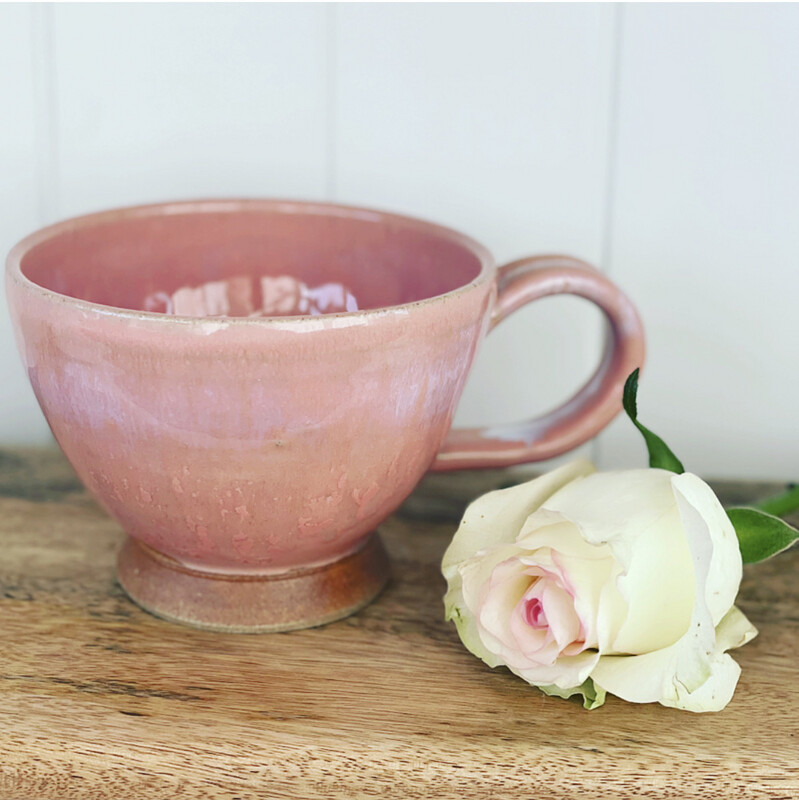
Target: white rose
[594, 582]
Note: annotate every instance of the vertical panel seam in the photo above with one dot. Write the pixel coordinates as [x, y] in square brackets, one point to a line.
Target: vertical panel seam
[331, 100]
[611, 167]
[45, 103]
[611, 162]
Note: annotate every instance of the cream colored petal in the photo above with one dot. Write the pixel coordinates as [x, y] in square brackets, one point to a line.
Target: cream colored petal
[554, 530]
[611, 611]
[497, 517]
[658, 585]
[505, 589]
[633, 512]
[724, 574]
[614, 508]
[530, 641]
[476, 572]
[650, 678]
[692, 674]
[714, 693]
[608, 503]
[647, 678]
[465, 622]
[734, 630]
[464, 595]
[567, 672]
[653, 677]
[561, 617]
[591, 582]
[545, 656]
[557, 543]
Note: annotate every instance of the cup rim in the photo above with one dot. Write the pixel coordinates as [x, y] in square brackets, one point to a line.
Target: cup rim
[231, 205]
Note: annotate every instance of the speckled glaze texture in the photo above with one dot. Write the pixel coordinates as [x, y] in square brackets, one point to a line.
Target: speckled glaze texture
[259, 447]
[240, 447]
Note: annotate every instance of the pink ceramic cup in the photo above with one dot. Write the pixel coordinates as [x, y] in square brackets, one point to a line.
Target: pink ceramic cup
[251, 459]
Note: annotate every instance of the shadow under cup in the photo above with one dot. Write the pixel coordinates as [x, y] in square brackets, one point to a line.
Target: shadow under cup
[249, 453]
[250, 387]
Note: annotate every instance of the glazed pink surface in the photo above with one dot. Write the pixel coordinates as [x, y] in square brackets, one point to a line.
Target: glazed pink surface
[595, 404]
[120, 258]
[252, 444]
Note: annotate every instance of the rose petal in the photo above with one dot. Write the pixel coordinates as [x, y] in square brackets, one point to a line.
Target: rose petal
[500, 595]
[611, 610]
[498, 618]
[466, 582]
[658, 585]
[605, 502]
[726, 567]
[476, 573]
[714, 693]
[692, 674]
[555, 530]
[635, 513]
[494, 518]
[559, 609]
[465, 622]
[640, 679]
[590, 570]
[567, 673]
[734, 630]
[497, 517]
[529, 641]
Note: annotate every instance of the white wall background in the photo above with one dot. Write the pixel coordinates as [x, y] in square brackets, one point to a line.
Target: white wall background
[660, 142]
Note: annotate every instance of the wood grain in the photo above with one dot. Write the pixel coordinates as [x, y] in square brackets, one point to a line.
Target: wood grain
[100, 700]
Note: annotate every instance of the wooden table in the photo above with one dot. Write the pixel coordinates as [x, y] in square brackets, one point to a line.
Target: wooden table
[100, 700]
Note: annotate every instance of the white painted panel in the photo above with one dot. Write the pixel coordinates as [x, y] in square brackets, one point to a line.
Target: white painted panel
[706, 233]
[162, 101]
[492, 119]
[21, 422]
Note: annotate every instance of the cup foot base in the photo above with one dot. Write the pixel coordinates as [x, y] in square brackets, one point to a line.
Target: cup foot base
[303, 598]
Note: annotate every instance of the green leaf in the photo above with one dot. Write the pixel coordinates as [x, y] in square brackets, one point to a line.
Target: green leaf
[782, 504]
[760, 535]
[660, 456]
[593, 696]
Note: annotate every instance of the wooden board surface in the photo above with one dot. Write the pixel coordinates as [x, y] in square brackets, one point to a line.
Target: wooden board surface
[100, 700]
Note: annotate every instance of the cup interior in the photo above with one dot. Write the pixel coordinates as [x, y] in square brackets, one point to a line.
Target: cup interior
[247, 258]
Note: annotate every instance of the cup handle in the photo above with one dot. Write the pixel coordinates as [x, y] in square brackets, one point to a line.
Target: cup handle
[594, 405]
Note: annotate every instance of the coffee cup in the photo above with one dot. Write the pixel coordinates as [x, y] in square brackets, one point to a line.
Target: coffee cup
[250, 387]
